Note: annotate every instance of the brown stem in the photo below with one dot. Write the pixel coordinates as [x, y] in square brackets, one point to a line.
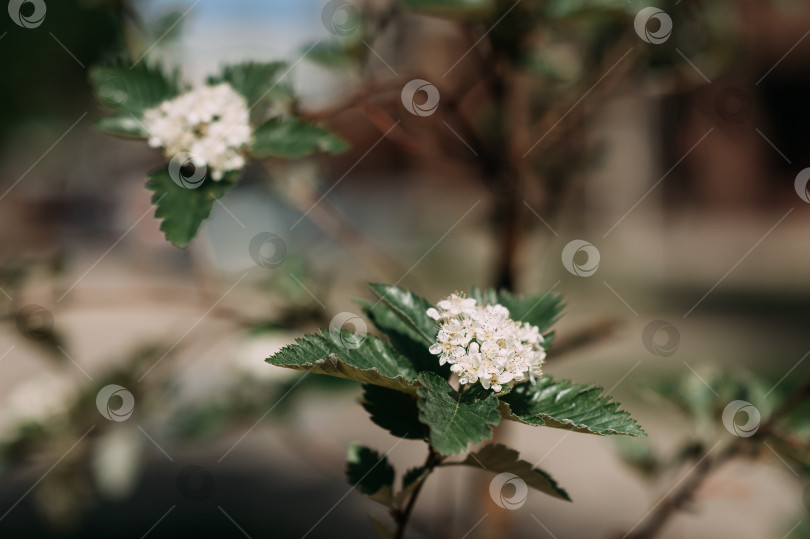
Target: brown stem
[401, 517]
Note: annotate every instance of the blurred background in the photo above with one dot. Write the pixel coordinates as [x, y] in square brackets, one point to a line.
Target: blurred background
[675, 154]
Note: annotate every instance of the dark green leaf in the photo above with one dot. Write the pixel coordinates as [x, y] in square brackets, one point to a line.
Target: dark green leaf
[257, 81]
[394, 411]
[455, 420]
[133, 89]
[183, 210]
[404, 337]
[373, 362]
[122, 125]
[565, 405]
[410, 309]
[498, 458]
[293, 138]
[370, 472]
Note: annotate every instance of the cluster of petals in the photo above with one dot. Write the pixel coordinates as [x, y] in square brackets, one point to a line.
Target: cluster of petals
[484, 345]
[211, 123]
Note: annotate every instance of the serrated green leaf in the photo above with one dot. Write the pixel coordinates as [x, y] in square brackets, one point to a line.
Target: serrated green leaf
[371, 473]
[122, 125]
[133, 89]
[257, 81]
[293, 138]
[394, 411]
[411, 310]
[373, 362]
[183, 210]
[455, 419]
[498, 458]
[404, 337]
[565, 405]
[541, 311]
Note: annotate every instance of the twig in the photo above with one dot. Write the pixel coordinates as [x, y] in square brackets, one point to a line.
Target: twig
[707, 465]
[401, 517]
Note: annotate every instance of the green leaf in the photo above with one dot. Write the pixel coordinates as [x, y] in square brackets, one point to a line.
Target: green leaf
[257, 81]
[455, 420]
[133, 89]
[293, 138]
[498, 458]
[394, 411]
[373, 362]
[122, 125]
[410, 309]
[183, 210]
[453, 9]
[404, 337]
[541, 311]
[565, 405]
[371, 473]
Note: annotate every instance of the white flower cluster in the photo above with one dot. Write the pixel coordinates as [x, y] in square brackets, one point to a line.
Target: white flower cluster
[484, 345]
[211, 123]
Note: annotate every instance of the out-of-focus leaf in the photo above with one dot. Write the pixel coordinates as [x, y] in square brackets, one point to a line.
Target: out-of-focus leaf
[134, 89]
[257, 81]
[371, 473]
[293, 138]
[122, 125]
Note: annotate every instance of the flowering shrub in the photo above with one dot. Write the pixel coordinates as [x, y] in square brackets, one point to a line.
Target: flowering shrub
[244, 113]
[490, 348]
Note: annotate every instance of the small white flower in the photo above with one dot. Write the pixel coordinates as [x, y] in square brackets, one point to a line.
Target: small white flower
[212, 123]
[484, 345]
